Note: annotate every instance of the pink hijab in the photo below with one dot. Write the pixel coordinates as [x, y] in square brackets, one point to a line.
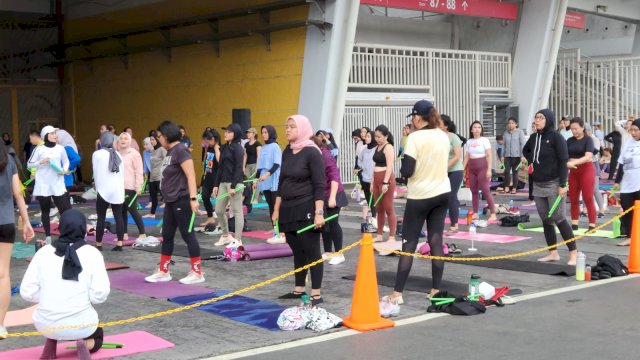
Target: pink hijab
[305, 132]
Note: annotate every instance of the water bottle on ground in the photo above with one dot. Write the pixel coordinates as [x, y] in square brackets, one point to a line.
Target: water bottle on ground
[234, 253]
[474, 284]
[580, 265]
[472, 228]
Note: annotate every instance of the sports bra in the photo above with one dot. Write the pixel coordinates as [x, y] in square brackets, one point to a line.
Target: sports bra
[379, 158]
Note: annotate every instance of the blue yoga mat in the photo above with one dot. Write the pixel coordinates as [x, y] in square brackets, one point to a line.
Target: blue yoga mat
[145, 221]
[239, 308]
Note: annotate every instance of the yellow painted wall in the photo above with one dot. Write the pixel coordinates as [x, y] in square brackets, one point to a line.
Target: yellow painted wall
[197, 89]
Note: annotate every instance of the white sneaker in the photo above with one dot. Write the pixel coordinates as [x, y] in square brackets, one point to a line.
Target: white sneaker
[336, 259]
[325, 255]
[217, 231]
[224, 240]
[277, 240]
[158, 276]
[192, 278]
[385, 229]
[93, 217]
[53, 212]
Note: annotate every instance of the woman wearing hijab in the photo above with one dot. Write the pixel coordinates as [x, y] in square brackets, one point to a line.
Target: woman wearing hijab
[300, 203]
[227, 180]
[211, 157]
[108, 175]
[9, 180]
[155, 176]
[51, 163]
[546, 152]
[181, 204]
[146, 156]
[133, 179]
[628, 178]
[66, 279]
[268, 166]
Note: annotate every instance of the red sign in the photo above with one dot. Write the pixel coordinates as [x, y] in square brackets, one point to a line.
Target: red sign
[574, 20]
[480, 8]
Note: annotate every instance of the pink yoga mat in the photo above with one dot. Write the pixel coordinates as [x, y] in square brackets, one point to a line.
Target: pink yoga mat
[20, 317]
[259, 234]
[134, 342]
[110, 239]
[53, 227]
[485, 237]
[133, 282]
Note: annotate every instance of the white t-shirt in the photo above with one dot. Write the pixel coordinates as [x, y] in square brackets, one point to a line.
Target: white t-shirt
[65, 302]
[49, 181]
[109, 185]
[476, 148]
[430, 149]
[630, 162]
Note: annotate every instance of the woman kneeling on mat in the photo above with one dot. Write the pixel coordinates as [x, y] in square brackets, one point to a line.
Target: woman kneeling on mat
[181, 205]
[628, 178]
[65, 279]
[546, 151]
[425, 165]
[299, 203]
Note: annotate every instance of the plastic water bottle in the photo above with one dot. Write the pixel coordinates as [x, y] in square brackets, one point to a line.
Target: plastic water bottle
[474, 284]
[580, 265]
[510, 204]
[472, 229]
[234, 253]
[587, 273]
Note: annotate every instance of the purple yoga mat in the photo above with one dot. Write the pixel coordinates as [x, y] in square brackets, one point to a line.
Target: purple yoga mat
[264, 247]
[133, 282]
[270, 254]
[110, 239]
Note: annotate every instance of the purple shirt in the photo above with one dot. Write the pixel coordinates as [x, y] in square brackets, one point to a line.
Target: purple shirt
[331, 172]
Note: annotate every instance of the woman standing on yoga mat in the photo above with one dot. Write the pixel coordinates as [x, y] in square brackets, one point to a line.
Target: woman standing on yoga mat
[383, 182]
[227, 184]
[299, 203]
[478, 163]
[268, 166]
[65, 279]
[211, 156]
[157, 166]
[425, 165]
[9, 180]
[334, 199]
[628, 178]
[546, 152]
[181, 205]
[133, 179]
[108, 175]
[455, 170]
[581, 173]
[52, 163]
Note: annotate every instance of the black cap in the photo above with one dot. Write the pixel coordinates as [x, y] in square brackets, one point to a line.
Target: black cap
[422, 107]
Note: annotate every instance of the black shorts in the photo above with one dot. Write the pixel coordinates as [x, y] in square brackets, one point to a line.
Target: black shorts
[8, 233]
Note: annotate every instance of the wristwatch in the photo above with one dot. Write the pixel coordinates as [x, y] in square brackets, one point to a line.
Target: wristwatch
[319, 212]
[193, 198]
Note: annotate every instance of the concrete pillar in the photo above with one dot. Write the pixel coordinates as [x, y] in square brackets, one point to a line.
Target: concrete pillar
[534, 62]
[327, 62]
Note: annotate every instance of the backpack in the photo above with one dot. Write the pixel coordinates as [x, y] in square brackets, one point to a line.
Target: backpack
[613, 265]
[514, 220]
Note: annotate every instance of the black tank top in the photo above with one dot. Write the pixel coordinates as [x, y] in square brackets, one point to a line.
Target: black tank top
[378, 157]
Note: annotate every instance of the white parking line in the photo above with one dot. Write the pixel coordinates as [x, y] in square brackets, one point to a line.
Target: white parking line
[407, 321]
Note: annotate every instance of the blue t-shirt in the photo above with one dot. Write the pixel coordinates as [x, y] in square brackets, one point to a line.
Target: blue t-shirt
[269, 155]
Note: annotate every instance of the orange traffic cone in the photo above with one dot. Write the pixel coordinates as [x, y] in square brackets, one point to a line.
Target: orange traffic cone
[365, 308]
[634, 248]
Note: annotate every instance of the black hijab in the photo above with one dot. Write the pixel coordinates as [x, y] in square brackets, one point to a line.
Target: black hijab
[273, 136]
[48, 143]
[373, 140]
[73, 227]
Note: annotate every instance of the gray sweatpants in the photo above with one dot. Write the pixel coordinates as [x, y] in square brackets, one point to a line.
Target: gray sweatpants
[236, 208]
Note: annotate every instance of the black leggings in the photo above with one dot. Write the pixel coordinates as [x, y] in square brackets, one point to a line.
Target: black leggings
[101, 210]
[455, 180]
[177, 215]
[332, 231]
[154, 189]
[306, 249]
[626, 201]
[207, 190]
[62, 203]
[433, 211]
[133, 210]
[366, 186]
[270, 198]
